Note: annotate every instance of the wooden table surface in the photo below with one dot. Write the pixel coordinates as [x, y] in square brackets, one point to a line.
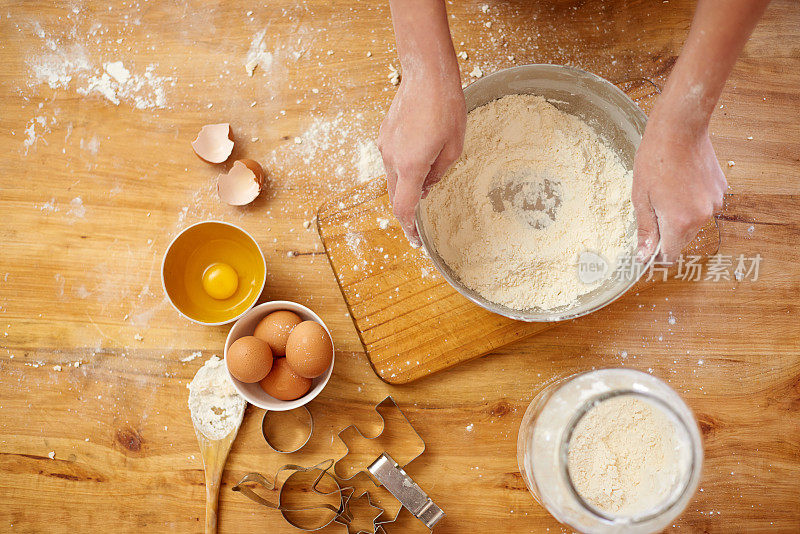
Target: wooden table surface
[92, 368]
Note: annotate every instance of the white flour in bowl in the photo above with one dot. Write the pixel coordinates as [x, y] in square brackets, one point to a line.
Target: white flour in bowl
[533, 189]
[214, 403]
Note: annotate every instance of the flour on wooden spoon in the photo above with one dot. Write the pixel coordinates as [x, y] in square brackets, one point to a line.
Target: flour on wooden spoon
[214, 403]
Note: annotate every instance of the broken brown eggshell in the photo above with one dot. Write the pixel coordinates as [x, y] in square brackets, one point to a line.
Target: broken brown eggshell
[214, 143]
[242, 184]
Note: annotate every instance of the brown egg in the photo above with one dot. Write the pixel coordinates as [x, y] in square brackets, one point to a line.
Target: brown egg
[309, 349]
[283, 383]
[249, 359]
[275, 328]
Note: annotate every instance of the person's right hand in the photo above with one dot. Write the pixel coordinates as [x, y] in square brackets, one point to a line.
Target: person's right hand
[422, 134]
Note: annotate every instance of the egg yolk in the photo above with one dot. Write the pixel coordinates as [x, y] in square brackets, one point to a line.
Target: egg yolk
[220, 281]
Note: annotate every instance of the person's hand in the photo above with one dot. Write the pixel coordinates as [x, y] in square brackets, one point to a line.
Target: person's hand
[677, 186]
[422, 134]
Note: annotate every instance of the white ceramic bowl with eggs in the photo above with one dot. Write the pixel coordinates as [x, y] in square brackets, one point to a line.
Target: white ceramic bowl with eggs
[245, 327]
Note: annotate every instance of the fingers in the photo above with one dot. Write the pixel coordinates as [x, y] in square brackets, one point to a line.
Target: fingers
[391, 175]
[433, 177]
[446, 158]
[679, 227]
[408, 191]
[391, 183]
[647, 223]
[404, 186]
[674, 236]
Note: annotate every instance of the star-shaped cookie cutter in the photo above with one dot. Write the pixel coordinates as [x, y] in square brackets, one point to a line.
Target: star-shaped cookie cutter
[348, 516]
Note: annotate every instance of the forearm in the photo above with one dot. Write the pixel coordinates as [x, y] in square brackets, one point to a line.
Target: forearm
[718, 33]
[423, 39]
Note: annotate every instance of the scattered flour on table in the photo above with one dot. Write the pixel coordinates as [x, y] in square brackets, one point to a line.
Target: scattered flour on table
[370, 162]
[192, 356]
[338, 145]
[258, 55]
[92, 145]
[76, 208]
[533, 189]
[214, 403]
[59, 64]
[117, 84]
[36, 129]
[62, 65]
[321, 135]
[72, 56]
[624, 456]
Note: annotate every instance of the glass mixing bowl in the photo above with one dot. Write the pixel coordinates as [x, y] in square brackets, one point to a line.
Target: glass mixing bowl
[617, 120]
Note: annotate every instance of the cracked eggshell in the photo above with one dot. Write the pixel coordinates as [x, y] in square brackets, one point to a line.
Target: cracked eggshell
[214, 143]
[242, 184]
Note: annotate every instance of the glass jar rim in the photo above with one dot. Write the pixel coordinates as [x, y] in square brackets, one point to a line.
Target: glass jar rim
[675, 496]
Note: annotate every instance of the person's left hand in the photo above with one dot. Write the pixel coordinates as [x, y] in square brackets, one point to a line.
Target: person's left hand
[677, 185]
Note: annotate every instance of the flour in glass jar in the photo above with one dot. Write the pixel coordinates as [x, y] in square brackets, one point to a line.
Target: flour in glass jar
[625, 456]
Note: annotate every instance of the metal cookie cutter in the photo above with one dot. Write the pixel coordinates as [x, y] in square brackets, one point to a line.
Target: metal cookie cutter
[383, 471]
[274, 447]
[348, 516]
[394, 478]
[323, 468]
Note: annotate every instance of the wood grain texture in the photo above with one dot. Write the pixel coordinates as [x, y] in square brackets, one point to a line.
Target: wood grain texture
[80, 286]
[214, 453]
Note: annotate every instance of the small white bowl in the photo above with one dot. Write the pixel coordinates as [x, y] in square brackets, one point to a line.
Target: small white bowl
[245, 327]
[172, 270]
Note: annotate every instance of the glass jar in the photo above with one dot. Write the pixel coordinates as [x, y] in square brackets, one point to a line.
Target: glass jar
[546, 431]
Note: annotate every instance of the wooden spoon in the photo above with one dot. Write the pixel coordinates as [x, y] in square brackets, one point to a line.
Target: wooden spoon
[214, 453]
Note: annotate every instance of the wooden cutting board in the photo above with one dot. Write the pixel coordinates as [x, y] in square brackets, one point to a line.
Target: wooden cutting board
[411, 322]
